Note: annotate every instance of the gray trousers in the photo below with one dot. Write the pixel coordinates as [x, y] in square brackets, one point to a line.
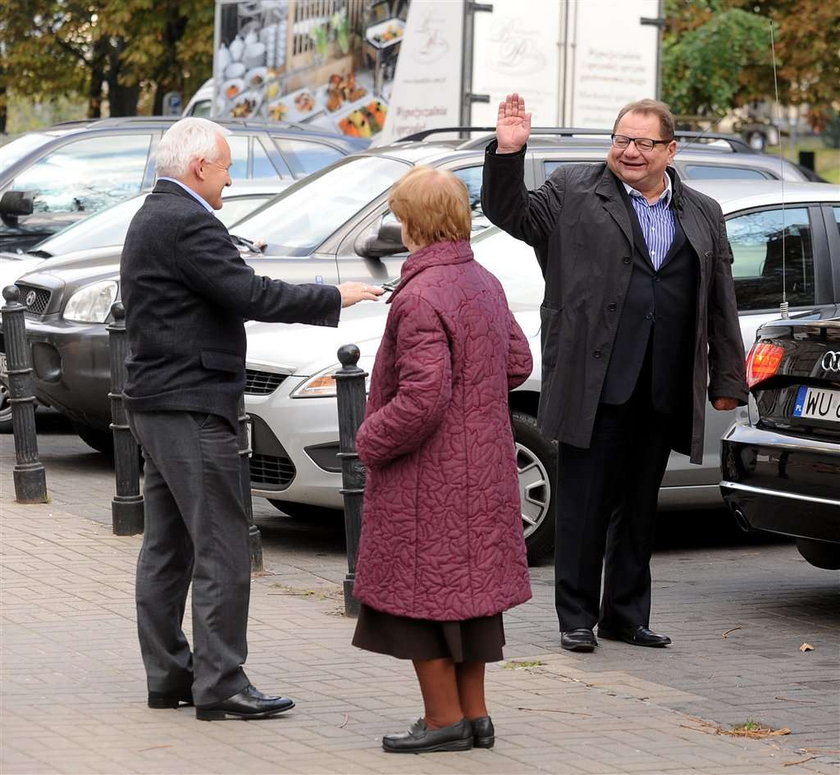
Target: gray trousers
[196, 529]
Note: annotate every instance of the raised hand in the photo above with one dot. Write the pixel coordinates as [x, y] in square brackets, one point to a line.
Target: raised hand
[513, 125]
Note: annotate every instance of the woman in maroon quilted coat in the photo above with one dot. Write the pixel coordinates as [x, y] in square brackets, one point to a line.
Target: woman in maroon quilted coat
[442, 553]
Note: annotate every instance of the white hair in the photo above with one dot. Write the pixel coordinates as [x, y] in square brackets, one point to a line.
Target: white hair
[187, 139]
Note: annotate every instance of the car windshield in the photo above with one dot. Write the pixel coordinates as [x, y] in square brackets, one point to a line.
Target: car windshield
[305, 217]
[110, 226]
[17, 149]
[107, 227]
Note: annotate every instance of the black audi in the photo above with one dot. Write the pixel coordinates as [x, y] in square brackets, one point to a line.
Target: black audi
[781, 460]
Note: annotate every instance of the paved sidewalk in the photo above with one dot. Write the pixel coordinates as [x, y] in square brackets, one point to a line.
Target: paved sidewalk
[73, 697]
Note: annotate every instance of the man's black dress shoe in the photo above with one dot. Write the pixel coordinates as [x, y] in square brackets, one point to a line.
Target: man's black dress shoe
[635, 636]
[421, 739]
[159, 700]
[484, 735]
[247, 704]
[581, 639]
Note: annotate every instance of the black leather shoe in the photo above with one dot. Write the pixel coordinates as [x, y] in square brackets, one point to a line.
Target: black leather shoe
[635, 636]
[581, 639]
[247, 704]
[421, 739]
[484, 735]
[160, 700]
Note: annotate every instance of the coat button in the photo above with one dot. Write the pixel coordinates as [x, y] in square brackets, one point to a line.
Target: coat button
[596, 354]
[625, 260]
[612, 307]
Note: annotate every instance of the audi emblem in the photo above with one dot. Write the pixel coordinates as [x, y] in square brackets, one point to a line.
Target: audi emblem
[30, 298]
[831, 361]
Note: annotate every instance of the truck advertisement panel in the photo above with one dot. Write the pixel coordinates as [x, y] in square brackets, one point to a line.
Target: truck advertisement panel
[383, 69]
[330, 63]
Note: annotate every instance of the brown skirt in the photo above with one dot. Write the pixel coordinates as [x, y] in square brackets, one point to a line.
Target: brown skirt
[469, 640]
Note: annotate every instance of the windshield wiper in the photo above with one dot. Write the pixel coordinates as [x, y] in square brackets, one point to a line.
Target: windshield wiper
[39, 253]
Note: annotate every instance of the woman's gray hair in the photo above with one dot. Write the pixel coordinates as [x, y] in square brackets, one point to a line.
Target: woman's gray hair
[187, 139]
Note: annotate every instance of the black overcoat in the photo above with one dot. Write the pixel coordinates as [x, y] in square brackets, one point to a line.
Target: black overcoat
[580, 229]
[187, 294]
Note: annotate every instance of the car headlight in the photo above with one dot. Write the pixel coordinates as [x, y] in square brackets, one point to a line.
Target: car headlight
[92, 304]
[322, 384]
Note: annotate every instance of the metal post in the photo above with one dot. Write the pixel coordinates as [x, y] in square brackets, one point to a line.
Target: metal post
[350, 395]
[254, 538]
[29, 475]
[127, 504]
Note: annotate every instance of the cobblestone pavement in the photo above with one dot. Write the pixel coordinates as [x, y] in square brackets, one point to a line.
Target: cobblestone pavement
[73, 688]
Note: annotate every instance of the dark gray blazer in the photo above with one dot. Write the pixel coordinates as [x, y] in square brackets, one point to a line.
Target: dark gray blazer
[582, 233]
[187, 293]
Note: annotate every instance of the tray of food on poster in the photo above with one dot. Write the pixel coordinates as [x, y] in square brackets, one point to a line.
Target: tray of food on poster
[385, 33]
[363, 120]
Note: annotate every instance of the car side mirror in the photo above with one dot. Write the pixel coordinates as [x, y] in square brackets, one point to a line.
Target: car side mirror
[386, 242]
[14, 204]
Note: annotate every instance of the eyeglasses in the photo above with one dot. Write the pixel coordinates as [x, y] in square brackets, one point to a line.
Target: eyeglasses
[642, 143]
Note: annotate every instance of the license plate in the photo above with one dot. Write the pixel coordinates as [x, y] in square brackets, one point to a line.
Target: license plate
[248, 436]
[817, 404]
[4, 367]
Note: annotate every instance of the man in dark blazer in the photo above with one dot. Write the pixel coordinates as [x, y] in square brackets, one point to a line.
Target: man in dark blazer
[187, 293]
[639, 321]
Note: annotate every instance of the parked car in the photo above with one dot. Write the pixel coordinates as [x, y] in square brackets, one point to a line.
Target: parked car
[780, 460]
[335, 226]
[107, 229]
[53, 177]
[290, 393]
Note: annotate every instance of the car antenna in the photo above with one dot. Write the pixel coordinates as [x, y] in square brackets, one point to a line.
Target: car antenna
[784, 307]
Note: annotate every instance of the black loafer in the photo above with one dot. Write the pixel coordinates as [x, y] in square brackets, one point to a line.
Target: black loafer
[421, 739]
[635, 636]
[160, 700]
[247, 704]
[484, 735]
[581, 639]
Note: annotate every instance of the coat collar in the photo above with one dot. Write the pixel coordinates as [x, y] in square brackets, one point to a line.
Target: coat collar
[436, 254]
[609, 191]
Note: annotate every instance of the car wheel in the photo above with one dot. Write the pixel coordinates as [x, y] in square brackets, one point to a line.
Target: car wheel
[303, 511]
[5, 409]
[536, 463]
[101, 441]
[821, 554]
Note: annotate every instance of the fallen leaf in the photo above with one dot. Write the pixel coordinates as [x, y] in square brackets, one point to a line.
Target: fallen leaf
[806, 647]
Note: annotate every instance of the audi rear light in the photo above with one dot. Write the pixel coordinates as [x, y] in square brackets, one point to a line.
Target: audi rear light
[763, 362]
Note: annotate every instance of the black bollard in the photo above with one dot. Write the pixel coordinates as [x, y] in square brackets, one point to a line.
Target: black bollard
[254, 538]
[29, 475]
[350, 395]
[127, 504]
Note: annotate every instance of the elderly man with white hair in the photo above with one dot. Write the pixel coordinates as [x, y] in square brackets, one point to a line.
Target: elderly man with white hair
[187, 293]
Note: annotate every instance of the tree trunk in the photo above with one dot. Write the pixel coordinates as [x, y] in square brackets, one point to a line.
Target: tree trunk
[122, 99]
[98, 61]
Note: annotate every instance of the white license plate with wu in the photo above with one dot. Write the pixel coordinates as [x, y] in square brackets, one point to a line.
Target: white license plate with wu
[817, 404]
[4, 367]
[249, 434]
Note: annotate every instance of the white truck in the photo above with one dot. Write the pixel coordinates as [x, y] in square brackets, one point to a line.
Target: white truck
[384, 69]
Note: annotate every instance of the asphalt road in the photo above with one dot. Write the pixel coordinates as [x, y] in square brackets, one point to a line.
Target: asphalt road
[740, 609]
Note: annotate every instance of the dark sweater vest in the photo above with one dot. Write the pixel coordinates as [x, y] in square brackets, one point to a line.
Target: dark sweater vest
[658, 314]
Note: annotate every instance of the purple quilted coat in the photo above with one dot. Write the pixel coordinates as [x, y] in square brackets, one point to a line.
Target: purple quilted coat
[442, 527]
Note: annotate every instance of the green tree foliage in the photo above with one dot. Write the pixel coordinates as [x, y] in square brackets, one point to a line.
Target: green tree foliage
[105, 49]
[707, 51]
[716, 55]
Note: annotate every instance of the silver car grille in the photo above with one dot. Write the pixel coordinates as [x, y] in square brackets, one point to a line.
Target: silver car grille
[261, 383]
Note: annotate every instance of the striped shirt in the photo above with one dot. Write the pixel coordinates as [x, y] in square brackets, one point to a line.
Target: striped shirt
[657, 222]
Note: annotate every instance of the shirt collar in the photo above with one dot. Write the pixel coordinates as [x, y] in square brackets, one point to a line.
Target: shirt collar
[665, 196]
[201, 200]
